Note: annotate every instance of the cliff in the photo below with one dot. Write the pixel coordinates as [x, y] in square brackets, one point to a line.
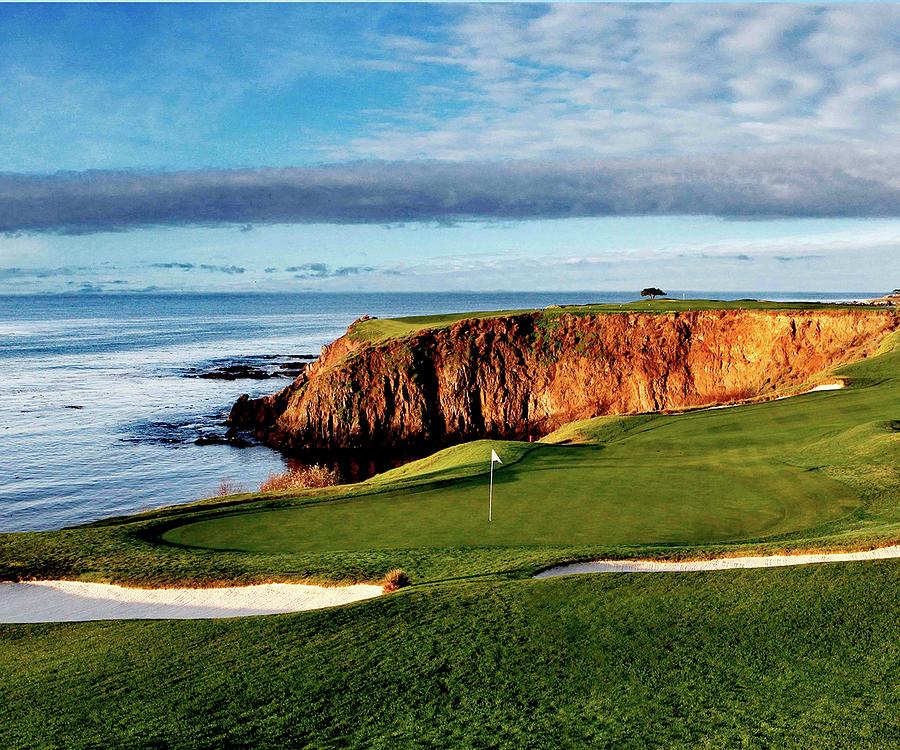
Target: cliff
[524, 375]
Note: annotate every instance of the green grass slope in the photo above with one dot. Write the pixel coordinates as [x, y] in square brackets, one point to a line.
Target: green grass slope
[792, 658]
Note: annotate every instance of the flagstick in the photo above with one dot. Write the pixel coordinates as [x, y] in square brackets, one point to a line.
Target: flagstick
[491, 495]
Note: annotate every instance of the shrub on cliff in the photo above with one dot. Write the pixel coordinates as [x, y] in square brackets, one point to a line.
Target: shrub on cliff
[307, 477]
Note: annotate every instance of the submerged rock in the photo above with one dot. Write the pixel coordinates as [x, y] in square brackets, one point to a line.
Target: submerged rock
[234, 440]
[256, 367]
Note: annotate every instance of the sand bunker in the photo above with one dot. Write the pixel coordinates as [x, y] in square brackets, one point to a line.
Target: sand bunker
[74, 601]
[827, 387]
[824, 387]
[719, 563]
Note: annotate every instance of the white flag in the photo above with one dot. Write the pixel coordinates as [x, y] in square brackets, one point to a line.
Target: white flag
[495, 457]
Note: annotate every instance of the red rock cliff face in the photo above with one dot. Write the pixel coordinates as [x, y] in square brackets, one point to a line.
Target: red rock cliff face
[524, 375]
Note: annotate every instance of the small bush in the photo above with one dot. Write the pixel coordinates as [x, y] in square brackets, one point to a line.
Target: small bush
[394, 580]
[227, 487]
[304, 478]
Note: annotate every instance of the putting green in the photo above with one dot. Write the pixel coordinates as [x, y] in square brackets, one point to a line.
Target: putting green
[555, 495]
[703, 477]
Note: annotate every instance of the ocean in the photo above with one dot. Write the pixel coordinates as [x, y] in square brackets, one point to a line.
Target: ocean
[103, 397]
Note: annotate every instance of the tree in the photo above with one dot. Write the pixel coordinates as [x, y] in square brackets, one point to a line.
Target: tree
[652, 292]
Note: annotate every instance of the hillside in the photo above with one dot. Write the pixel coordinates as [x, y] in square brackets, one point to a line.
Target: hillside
[791, 659]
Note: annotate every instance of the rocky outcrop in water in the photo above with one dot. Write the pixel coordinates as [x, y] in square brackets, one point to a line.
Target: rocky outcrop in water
[522, 376]
[252, 367]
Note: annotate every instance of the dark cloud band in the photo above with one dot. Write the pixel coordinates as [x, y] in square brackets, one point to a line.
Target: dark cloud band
[173, 265]
[814, 183]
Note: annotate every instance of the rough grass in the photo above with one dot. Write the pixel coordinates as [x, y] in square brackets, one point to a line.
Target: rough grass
[791, 658]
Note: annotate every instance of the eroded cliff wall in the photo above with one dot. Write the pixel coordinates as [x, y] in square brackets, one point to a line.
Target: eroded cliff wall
[524, 375]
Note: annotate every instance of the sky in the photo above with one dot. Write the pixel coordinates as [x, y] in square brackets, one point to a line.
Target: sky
[449, 147]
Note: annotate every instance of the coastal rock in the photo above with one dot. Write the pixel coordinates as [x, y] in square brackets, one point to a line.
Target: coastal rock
[236, 372]
[524, 375]
[253, 367]
[232, 439]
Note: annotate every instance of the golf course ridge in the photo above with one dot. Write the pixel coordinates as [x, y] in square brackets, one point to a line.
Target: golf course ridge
[523, 375]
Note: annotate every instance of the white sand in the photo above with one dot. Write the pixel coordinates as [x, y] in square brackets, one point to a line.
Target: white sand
[74, 601]
[827, 387]
[824, 387]
[719, 563]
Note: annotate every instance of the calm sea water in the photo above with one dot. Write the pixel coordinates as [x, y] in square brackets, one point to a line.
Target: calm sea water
[98, 416]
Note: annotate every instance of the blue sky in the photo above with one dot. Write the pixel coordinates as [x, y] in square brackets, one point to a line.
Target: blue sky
[385, 146]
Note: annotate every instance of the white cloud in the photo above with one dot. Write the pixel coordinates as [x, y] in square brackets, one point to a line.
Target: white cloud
[612, 80]
[842, 262]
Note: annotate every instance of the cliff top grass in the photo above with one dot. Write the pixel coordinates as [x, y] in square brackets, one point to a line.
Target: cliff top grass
[376, 330]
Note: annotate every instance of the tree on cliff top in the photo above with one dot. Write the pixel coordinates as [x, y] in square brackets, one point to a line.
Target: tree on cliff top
[652, 292]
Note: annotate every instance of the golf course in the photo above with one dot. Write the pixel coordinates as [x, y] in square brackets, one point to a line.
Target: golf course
[476, 652]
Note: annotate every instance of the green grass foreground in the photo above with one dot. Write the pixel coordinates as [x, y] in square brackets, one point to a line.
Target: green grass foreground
[791, 658]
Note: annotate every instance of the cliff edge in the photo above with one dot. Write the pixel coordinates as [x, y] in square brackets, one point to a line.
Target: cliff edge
[523, 375]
